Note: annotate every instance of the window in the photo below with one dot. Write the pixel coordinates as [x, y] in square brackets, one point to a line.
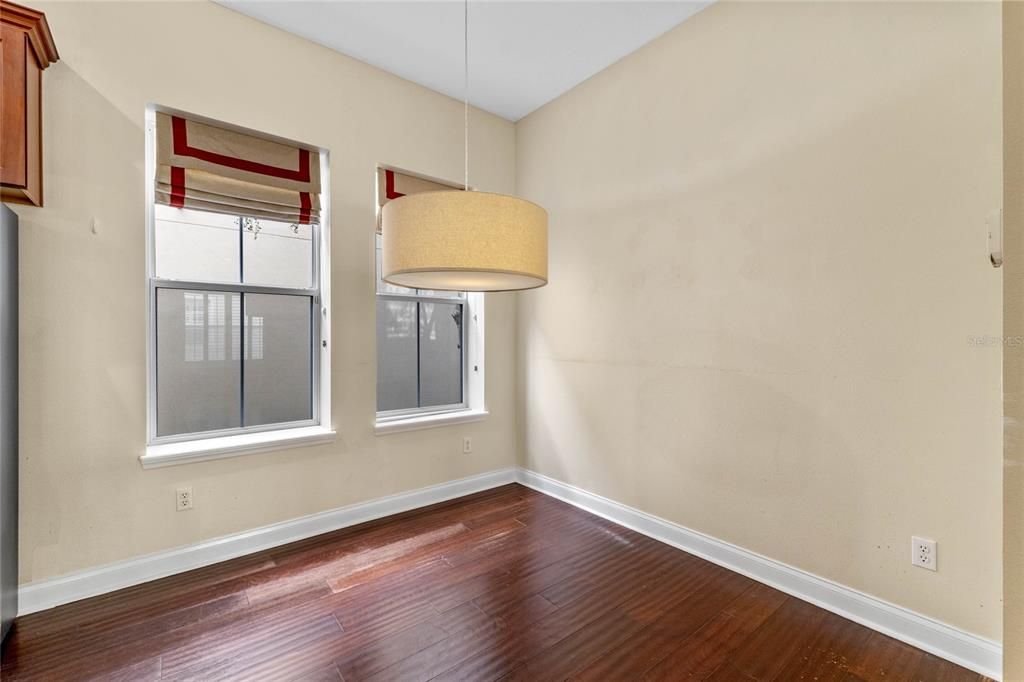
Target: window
[238, 318]
[232, 351]
[421, 349]
[430, 344]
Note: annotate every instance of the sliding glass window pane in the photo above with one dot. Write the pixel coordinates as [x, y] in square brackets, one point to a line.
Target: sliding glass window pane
[197, 383]
[440, 354]
[278, 378]
[396, 355]
[277, 254]
[196, 245]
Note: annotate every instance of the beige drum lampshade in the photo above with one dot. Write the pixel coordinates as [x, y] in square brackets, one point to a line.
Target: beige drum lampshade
[464, 241]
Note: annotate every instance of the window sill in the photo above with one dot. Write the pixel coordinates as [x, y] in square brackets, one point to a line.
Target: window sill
[170, 454]
[429, 421]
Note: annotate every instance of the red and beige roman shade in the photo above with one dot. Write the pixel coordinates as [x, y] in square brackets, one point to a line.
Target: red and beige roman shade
[393, 184]
[209, 168]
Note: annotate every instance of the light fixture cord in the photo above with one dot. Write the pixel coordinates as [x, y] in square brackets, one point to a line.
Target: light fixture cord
[465, 87]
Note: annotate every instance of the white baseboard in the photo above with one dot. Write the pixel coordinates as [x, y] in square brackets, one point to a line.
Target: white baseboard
[45, 594]
[978, 654]
[970, 651]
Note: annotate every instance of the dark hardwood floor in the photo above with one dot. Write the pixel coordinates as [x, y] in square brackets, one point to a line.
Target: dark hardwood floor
[506, 584]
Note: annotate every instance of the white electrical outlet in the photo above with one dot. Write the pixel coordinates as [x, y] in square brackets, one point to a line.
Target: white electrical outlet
[183, 498]
[923, 553]
[467, 445]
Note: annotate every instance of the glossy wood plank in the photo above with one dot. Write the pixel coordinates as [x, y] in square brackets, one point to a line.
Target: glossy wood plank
[699, 655]
[505, 584]
[884, 657]
[681, 601]
[777, 641]
[828, 655]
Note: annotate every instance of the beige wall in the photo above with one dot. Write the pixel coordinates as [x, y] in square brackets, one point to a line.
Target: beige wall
[1013, 354]
[767, 258]
[85, 500]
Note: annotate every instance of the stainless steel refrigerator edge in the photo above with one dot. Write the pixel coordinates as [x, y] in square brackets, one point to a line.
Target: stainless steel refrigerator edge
[8, 418]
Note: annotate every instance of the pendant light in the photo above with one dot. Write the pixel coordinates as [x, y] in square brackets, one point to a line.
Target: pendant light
[461, 240]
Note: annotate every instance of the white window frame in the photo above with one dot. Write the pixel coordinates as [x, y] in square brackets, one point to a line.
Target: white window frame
[473, 405]
[167, 450]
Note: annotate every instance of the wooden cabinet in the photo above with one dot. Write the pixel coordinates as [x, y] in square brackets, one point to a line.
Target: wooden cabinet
[26, 48]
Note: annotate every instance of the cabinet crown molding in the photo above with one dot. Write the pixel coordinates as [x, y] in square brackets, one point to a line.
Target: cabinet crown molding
[26, 49]
[33, 22]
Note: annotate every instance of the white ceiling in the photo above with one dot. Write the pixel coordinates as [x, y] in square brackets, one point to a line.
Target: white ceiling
[522, 54]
